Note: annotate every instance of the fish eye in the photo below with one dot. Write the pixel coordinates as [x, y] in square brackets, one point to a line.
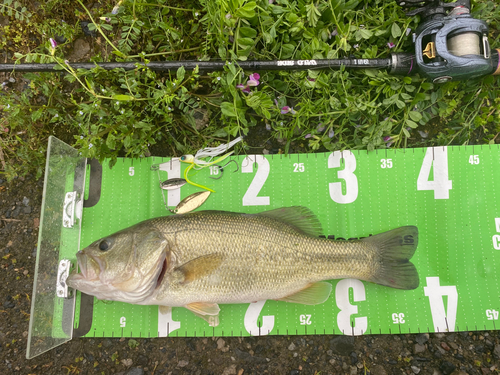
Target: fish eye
[104, 245]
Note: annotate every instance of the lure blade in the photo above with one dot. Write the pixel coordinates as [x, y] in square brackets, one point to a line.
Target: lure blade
[192, 202]
[173, 183]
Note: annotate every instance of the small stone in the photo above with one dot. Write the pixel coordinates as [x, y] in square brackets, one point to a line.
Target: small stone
[332, 361]
[127, 362]
[497, 350]
[231, 370]
[378, 370]
[294, 372]
[422, 338]
[445, 346]
[343, 345]
[415, 369]
[447, 367]
[26, 201]
[454, 346]
[220, 343]
[291, 346]
[134, 371]
[418, 349]
[354, 370]
[182, 363]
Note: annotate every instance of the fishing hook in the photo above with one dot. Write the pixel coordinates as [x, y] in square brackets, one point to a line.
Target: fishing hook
[221, 169]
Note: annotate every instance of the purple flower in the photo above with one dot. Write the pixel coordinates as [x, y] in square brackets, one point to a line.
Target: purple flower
[408, 31]
[286, 109]
[107, 19]
[243, 88]
[320, 128]
[334, 33]
[311, 79]
[253, 80]
[308, 136]
[116, 7]
[331, 133]
[276, 102]
[53, 43]
[391, 45]
[387, 141]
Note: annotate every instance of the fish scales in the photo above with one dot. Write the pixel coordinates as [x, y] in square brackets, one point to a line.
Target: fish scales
[259, 254]
[200, 259]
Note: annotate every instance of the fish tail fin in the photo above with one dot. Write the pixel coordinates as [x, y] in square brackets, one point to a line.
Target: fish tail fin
[396, 247]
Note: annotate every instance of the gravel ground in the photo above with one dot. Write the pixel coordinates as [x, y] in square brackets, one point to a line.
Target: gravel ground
[20, 200]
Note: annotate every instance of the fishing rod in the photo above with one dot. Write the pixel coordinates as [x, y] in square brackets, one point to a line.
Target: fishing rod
[449, 45]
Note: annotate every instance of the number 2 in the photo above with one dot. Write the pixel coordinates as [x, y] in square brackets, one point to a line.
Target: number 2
[250, 198]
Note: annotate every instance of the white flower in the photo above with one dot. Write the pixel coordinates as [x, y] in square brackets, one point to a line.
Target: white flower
[81, 112]
[90, 145]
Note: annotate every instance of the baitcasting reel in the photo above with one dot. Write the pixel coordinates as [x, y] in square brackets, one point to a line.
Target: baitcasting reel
[449, 44]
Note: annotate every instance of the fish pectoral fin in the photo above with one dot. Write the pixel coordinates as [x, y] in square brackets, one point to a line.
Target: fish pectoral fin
[164, 310]
[313, 294]
[203, 308]
[200, 267]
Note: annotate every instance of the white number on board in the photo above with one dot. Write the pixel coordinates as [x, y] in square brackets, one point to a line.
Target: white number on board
[474, 159]
[131, 171]
[298, 167]
[386, 163]
[250, 198]
[443, 319]
[214, 170]
[346, 309]
[305, 320]
[398, 318]
[350, 179]
[123, 322]
[492, 314]
[251, 317]
[437, 158]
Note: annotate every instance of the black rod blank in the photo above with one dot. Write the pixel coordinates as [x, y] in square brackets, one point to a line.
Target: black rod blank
[210, 66]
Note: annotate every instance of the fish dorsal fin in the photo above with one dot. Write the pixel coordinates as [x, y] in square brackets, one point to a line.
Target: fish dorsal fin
[203, 308]
[313, 294]
[299, 217]
[200, 267]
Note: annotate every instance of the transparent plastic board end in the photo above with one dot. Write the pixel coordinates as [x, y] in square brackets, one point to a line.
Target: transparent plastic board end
[51, 319]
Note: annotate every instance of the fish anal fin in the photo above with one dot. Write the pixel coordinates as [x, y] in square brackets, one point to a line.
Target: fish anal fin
[200, 267]
[212, 320]
[312, 294]
[203, 308]
[300, 218]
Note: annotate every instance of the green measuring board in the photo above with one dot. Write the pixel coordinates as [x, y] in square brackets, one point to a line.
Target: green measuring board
[450, 193]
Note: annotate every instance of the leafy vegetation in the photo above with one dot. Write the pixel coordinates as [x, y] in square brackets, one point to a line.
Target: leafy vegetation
[107, 114]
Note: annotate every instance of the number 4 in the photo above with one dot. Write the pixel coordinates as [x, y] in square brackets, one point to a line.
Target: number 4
[437, 158]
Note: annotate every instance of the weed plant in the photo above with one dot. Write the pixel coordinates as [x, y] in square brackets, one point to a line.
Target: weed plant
[107, 114]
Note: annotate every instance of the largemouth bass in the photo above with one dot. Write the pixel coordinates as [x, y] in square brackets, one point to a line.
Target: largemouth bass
[200, 259]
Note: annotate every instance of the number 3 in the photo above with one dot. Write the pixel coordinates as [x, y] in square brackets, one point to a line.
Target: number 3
[351, 181]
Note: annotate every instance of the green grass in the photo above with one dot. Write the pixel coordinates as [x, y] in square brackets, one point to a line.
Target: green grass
[106, 114]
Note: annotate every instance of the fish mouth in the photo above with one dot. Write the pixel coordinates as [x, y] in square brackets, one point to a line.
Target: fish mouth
[88, 265]
[163, 270]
